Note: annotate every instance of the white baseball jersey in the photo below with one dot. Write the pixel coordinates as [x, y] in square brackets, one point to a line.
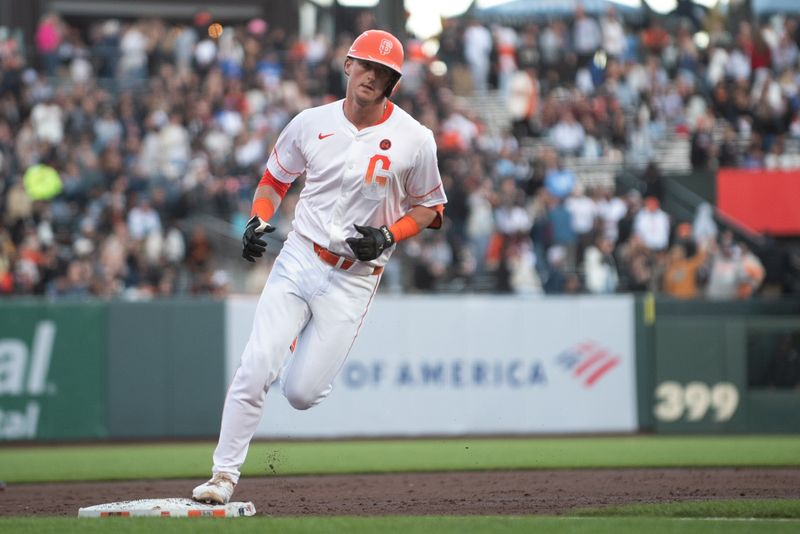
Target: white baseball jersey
[369, 177]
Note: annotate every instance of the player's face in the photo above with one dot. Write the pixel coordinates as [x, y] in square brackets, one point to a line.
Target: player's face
[368, 80]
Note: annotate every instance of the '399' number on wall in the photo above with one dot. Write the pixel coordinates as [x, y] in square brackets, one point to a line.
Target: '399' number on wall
[693, 401]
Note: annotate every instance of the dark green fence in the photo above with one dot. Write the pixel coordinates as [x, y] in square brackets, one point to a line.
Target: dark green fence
[52, 371]
[88, 370]
[718, 366]
[166, 370]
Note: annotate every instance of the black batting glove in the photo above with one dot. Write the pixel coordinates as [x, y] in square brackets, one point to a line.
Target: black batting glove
[253, 245]
[372, 245]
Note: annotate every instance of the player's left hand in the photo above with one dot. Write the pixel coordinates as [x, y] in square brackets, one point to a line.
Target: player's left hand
[252, 245]
[372, 245]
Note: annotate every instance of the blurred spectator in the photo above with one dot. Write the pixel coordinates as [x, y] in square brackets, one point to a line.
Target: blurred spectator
[477, 47]
[553, 43]
[7, 251]
[19, 204]
[143, 220]
[510, 217]
[523, 102]
[654, 37]
[702, 153]
[759, 50]
[521, 260]
[458, 132]
[625, 225]
[727, 273]
[777, 158]
[558, 182]
[561, 228]
[414, 67]
[610, 209]
[47, 120]
[528, 52]
[681, 273]
[786, 51]
[600, 268]
[752, 272]
[651, 182]
[48, 38]
[636, 266]
[506, 43]
[133, 49]
[555, 279]
[583, 212]
[652, 226]
[567, 135]
[586, 35]
[704, 229]
[432, 260]
[614, 41]
[728, 154]
[480, 221]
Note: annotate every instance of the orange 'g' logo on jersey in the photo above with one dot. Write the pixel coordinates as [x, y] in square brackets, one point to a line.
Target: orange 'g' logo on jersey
[378, 176]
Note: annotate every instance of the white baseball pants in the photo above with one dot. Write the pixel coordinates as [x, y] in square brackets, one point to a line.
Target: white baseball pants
[321, 305]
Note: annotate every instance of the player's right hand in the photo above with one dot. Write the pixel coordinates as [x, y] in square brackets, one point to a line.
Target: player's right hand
[252, 243]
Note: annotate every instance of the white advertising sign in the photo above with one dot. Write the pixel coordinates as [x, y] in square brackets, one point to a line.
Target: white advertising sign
[456, 365]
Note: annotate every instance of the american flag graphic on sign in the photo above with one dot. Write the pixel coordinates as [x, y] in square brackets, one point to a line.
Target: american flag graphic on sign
[587, 362]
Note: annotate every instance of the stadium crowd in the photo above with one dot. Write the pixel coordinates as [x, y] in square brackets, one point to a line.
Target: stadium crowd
[113, 139]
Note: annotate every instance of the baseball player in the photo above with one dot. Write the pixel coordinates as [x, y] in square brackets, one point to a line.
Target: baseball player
[371, 181]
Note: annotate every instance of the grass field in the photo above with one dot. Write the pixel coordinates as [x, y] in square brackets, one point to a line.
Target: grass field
[191, 460]
[179, 460]
[408, 525]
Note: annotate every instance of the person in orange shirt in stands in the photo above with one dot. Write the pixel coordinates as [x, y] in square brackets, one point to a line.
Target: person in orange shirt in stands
[680, 275]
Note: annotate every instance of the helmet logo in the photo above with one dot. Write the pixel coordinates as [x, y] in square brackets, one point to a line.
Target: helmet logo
[385, 47]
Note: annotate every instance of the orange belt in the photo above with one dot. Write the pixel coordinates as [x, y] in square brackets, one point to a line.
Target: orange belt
[339, 261]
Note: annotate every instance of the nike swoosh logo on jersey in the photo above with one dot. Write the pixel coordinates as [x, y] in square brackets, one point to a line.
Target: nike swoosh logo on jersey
[324, 136]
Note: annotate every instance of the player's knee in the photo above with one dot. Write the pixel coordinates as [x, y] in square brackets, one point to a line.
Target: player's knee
[302, 400]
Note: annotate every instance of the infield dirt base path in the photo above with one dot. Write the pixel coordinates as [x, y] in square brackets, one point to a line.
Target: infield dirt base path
[546, 492]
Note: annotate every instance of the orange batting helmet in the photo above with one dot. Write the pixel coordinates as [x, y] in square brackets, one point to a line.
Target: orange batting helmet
[380, 47]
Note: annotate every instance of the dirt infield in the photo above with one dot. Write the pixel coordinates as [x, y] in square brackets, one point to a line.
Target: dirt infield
[489, 492]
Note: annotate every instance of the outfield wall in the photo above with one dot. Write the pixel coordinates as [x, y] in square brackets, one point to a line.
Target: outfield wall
[447, 365]
[52, 370]
[718, 367]
[470, 365]
[88, 370]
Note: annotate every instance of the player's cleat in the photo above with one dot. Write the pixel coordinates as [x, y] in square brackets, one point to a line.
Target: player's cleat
[218, 490]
